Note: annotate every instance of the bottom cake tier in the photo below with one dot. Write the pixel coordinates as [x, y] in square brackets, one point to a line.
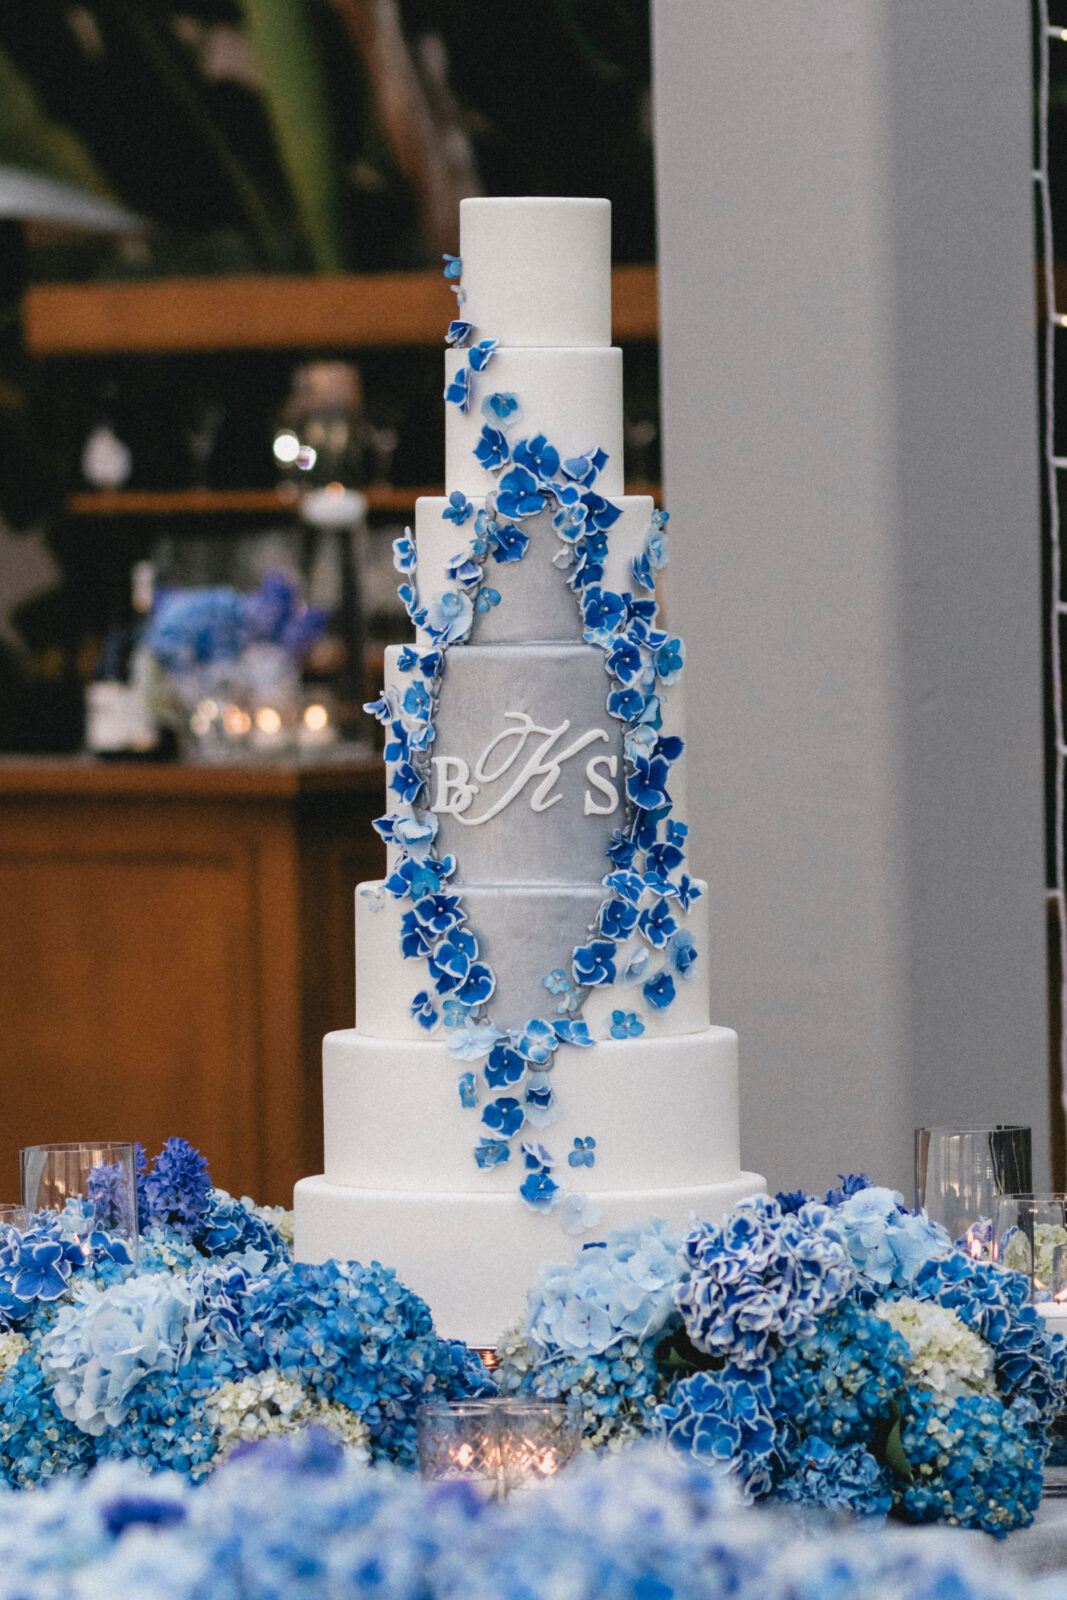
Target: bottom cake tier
[473, 1257]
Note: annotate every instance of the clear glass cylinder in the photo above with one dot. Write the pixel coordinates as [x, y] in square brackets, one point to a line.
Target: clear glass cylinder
[961, 1172]
[500, 1446]
[93, 1186]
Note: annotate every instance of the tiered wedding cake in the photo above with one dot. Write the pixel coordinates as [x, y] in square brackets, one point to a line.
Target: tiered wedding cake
[532, 1051]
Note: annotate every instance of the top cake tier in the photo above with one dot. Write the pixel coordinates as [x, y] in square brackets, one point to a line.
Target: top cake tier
[537, 272]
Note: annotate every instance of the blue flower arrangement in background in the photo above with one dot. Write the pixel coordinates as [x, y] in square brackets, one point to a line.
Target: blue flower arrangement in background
[213, 1337]
[836, 1352]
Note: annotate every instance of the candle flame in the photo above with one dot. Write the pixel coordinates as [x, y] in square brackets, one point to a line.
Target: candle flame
[464, 1455]
[548, 1464]
[974, 1244]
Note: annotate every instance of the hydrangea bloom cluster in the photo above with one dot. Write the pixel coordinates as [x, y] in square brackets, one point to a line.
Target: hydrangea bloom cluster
[192, 628]
[814, 1345]
[639, 940]
[302, 1516]
[592, 1330]
[214, 1337]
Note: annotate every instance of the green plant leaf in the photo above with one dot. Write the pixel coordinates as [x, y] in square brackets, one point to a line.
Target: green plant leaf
[894, 1446]
[30, 139]
[297, 102]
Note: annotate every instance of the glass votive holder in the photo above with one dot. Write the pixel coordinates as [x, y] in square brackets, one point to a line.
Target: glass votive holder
[14, 1216]
[960, 1173]
[1031, 1238]
[501, 1446]
[92, 1186]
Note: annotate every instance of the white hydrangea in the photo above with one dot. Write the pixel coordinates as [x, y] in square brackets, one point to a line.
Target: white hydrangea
[1015, 1251]
[946, 1357]
[267, 1403]
[12, 1345]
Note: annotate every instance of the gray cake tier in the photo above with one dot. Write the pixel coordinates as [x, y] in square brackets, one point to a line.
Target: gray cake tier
[523, 931]
[526, 769]
[535, 601]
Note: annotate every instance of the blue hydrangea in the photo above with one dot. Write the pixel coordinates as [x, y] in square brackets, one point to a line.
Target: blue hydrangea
[762, 1279]
[848, 1479]
[620, 1288]
[232, 1227]
[888, 1244]
[727, 1417]
[975, 1463]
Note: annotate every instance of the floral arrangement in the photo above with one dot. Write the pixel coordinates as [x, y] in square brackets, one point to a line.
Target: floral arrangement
[212, 1337]
[838, 1352]
[640, 942]
[289, 1517]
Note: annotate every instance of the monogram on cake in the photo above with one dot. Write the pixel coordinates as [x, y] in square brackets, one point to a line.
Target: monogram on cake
[532, 1056]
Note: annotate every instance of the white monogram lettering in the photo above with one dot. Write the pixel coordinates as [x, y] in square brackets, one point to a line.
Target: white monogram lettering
[526, 754]
[596, 780]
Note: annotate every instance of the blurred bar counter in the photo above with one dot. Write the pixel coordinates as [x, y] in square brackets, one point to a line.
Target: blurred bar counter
[175, 941]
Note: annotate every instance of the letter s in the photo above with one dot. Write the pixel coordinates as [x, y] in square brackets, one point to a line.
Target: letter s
[597, 780]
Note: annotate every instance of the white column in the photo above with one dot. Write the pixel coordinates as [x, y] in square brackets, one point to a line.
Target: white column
[851, 467]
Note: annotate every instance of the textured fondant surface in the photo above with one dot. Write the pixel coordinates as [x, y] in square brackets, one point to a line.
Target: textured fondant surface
[537, 271]
[474, 1257]
[551, 920]
[573, 396]
[663, 1113]
[486, 693]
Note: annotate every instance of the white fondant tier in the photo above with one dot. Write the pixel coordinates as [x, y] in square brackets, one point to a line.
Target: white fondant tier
[574, 397]
[524, 931]
[526, 768]
[537, 271]
[535, 603]
[663, 1113]
[474, 1257]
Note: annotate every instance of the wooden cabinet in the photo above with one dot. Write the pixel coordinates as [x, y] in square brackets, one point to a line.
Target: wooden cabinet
[175, 941]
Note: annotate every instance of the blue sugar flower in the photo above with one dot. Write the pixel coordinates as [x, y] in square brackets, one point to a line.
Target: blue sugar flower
[481, 354]
[471, 1041]
[478, 985]
[500, 405]
[539, 1102]
[468, 1092]
[453, 266]
[687, 891]
[641, 568]
[487, 598]
[458, 508]
[410, 601]
[416, 701]
[659, 991]
[623, 660]
[535, 1157]
[572, 1030]
[621, 850]
[670, 661]
[539, 1191]
[603, 611]
[458, 333]
[578, 1213]
[504, 1067]
[626, 704]
[492, 1153]
[451, 960]
[584, 469]
[462, 570]
[414, 940]
[504, 1115]
[492, 450]
[656, 923]
[538, 456]
[405, 781]
[557, 981]
[537, 1042]
[670, 747]
[569, 521]
[664, 858]
[626, 1025]
[508, 542]
[583, 1154]
[424, 1010]
[416, 835]
[518, 494]
[458, 391]
[646, 785]
[404, 553]
[449, 616]
[437, 913]
[453, 1013]
[594, 963]
[629, 886]
[617, 919]
[681, 953]
[600, 513]
[637, 963]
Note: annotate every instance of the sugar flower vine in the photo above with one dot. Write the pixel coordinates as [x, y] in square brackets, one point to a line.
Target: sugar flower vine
[637, 940]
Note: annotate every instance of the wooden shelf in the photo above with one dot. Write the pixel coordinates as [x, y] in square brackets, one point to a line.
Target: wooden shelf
[200, 502]
[249, 312]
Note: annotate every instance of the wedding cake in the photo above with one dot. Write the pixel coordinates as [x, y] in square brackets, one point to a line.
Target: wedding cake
[532, 1056]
